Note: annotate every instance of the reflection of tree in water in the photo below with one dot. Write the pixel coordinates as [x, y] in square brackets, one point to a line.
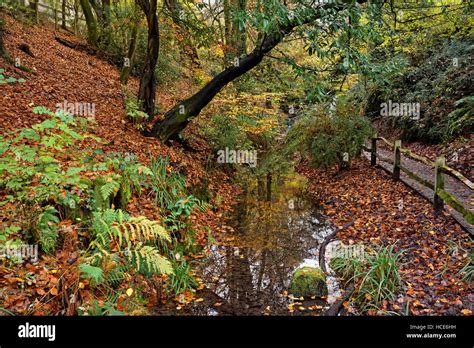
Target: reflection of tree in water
[271, 239]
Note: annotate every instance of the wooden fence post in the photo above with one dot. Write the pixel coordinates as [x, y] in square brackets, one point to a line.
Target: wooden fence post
[438, 203]
[396, 159]
[373, 151]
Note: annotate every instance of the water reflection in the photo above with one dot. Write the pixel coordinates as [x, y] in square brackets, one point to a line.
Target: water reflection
[274, 232]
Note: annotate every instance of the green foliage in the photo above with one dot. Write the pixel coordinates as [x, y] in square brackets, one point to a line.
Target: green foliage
[124, 233]
[133, 112]
[181, 280]
[47, 228]
[134, 176]
[184, 206]
[439, 78]
[6, 232]
[346, 267]
[4, 79]
[129, 235]
[94, 273]
[166, 186]
[223, 132]
[101, 309]
[180, 210]
[459, 121]
[381, 280]
[32, 173]
[468, 270]
[327, 138]
[376, 276]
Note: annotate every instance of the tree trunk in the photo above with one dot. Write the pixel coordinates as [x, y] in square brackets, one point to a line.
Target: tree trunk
[90, 22]
[227, 32]
[131, 54]
[106, 36]
[34, 5]
[239, 35]
[76, 16]
[63, 14]
[235, 37]
[147, 90]
[182, 113]
[178, 117]
[3, 51]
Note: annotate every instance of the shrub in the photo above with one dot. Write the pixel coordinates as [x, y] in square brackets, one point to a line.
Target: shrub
[328, 138]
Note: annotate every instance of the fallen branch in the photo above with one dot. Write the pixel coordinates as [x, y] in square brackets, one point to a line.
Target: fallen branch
[76, 45]
[322, 247]
[336, 306]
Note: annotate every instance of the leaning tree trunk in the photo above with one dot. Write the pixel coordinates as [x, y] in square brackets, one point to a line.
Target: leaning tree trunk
[147, 90]
[178, 118]
[182, 113]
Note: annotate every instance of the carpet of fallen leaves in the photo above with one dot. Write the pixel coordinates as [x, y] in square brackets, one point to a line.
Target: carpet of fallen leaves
[60, 73]
[435, 247]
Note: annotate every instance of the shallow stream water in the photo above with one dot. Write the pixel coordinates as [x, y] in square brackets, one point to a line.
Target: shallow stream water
[272, 235]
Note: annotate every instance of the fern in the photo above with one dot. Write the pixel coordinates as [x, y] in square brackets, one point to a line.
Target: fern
[47, 228]
[105, 189]
[95, 273]
[129, 236]
[108, 189]
[136, 229]
[148, 259]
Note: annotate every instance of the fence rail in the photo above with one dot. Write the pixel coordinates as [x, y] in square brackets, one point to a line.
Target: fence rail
[441, 196]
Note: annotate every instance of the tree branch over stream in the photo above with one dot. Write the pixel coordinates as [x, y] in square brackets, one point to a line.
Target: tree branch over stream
[176, 119]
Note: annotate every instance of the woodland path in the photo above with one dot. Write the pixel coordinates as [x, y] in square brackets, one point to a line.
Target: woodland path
[453, 186]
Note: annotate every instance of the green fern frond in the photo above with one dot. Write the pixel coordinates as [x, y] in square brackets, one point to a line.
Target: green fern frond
[47, 228]
[92, 272]
[109, 189]
[148, 259]
[137, 229]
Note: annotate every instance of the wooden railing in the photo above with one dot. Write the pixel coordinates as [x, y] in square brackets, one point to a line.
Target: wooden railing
[441, 196]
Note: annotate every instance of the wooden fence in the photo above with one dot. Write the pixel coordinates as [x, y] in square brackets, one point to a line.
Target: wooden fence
[441, 196]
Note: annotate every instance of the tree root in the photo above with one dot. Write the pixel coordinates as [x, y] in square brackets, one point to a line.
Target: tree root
[322, 247]
[335, 307]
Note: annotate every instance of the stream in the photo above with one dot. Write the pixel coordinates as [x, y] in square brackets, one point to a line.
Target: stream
[272, 234]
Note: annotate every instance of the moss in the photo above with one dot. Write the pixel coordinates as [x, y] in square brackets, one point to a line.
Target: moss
[308, 281]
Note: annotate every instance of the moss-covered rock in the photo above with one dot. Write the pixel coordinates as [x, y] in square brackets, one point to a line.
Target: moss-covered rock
[307, 282]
